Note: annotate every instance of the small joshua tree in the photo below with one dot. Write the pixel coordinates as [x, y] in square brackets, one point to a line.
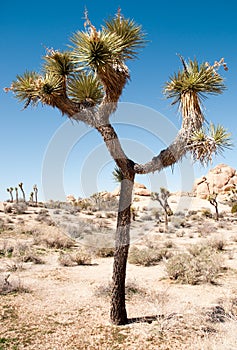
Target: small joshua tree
[213, 201]
[23, 192]
[16, 190]
[10, 190]
[32, 197]
[35, 189]
[162, 198]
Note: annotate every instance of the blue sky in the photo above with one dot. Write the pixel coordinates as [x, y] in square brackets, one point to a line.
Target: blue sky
[204, 29]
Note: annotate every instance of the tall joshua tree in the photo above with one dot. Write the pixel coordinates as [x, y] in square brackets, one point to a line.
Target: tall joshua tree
[86, 83]
[10, 190]
[35, 189]
[17, 198]
[22, 190]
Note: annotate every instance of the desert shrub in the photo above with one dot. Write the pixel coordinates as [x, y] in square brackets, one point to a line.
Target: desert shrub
[81, 257]
[206, 212]
[7, 208]
[19, 208]
[206, 228]
[6, 249]
[200, 265]
[54, 204]
[146, 256]
[58, 241]
[11, 287]
[44, 217]
[52, 237]
[105, 252]
[217, 243]
[177, 221]
[234, 208]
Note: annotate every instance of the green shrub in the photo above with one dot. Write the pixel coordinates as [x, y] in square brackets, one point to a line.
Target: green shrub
[234, 208]
[200, 265]
[81, 257]
[147, 256]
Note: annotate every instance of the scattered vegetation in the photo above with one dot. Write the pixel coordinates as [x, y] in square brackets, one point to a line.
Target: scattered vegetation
[200, 264]
[147, 256]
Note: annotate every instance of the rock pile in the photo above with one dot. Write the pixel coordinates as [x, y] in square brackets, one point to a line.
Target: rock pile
[221, 179]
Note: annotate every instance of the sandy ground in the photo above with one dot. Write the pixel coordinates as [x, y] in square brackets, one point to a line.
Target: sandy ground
[67, 307]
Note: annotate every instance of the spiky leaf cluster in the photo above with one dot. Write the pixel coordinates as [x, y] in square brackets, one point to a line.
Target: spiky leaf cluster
[85, 88]
[58, 63]
[117, 175]
[131, 35]
[200, 79]
[208, 141]
[117, 41]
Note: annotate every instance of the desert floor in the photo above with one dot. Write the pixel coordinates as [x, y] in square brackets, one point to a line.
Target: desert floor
[56, 270]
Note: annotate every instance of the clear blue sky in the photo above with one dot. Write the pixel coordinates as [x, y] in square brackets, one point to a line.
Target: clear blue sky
[203, 29]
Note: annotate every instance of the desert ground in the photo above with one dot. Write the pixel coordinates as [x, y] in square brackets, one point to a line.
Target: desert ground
[56, 267]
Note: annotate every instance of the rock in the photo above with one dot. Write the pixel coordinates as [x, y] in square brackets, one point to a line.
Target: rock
[221, 179]
[71, 199]
[142, 192]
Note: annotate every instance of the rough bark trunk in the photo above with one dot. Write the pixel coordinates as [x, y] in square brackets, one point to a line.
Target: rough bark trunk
[118, 313]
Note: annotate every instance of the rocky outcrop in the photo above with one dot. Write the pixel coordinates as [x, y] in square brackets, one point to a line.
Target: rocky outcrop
[138, 190]
[221, 179]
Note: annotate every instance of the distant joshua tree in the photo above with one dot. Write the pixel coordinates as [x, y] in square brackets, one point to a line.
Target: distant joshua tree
[35, 189]
[10, 190]
[162, 198]
[16, 190]
[213, 201]
[23, 192]
[32, 197]
[86, 82]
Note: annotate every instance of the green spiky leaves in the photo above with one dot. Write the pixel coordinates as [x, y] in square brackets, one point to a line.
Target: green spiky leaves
[117, 41]
[95, 49]
[130, 34]
[85, 88]
[200, 79]
[189, 86]
[208, 141]
[117, 175]
[32, 88]
[58, 63]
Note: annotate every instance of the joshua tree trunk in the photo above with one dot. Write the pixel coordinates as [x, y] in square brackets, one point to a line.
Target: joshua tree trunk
[118, 313]
[16, 190]
[23, 192]
[166, 221]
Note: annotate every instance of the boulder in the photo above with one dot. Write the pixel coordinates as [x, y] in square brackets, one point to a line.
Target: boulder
[221, 179]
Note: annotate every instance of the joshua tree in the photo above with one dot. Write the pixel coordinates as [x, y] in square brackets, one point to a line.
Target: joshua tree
[35, 189]
[23, 192]
[86, 83]
[162, 198]
[32, 197]
[10, 190]
[213, 201]
[16, 190]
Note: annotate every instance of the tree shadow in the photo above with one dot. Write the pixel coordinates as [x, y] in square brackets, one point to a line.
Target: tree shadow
[145, 319]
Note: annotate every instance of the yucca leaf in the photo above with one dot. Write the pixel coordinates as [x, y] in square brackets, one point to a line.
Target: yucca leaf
[85, 87]
[95, 50]
[58, 63]
[25, 88]
[131, 35]
[210, 141]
